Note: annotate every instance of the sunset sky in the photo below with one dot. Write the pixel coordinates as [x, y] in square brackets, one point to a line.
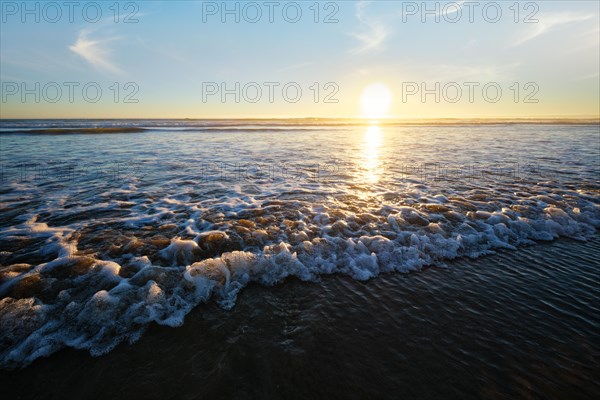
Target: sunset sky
[178, 49]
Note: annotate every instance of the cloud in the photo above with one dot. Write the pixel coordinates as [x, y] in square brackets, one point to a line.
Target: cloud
[548, 22]
[593, 75]
[446, 11]
[373, 33]
[95, 52]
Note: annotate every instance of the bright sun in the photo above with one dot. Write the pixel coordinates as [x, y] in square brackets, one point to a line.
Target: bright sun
[376, 100]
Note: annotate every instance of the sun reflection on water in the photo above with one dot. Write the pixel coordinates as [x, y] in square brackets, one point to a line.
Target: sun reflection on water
[371, 163]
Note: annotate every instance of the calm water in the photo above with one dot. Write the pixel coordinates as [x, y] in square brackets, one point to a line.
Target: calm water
[104, 233]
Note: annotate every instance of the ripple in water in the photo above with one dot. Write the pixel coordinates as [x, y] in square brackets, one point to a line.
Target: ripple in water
[144, 226]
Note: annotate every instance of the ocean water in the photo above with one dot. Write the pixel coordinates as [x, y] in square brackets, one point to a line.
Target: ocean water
[109, 226]
[517, 324]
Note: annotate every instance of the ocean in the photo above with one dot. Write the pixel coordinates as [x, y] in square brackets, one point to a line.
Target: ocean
[381, 249]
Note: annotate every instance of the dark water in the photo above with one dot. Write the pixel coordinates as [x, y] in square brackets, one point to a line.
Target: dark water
[518, 324]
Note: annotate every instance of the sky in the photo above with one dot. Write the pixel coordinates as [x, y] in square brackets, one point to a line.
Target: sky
[380, 59]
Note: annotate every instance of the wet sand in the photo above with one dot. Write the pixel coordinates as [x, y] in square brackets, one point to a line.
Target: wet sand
[518, 324]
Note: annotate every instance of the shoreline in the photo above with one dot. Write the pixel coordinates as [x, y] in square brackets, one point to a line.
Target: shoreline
[279, 335]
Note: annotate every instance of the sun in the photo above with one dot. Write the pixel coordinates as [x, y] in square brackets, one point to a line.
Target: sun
[376, 100]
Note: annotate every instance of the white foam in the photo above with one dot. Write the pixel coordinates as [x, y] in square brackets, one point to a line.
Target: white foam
[181, 252]
[346, 228]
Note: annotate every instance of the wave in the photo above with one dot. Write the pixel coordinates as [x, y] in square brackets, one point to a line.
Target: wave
[101, 288]
[126, 129]
[143, 234]
[256, 125]
[74, 131]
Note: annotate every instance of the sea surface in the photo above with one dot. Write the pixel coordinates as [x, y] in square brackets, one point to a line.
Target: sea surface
[110, 227]
[519, 324]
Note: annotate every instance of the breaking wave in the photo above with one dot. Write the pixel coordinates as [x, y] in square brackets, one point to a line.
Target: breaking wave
[89, 266]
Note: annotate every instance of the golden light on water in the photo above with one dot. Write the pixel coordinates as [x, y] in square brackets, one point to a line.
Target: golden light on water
[376, 101]
[371, 163]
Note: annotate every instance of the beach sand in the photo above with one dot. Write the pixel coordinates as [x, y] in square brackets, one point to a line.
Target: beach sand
[518, 324]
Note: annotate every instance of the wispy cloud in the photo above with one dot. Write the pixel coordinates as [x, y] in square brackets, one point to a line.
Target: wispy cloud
[593, 75]
[373, 32]
[549, 22]
[96, 52]
[446, 11]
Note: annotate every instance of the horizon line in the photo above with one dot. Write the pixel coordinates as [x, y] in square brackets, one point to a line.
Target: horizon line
[539, 117]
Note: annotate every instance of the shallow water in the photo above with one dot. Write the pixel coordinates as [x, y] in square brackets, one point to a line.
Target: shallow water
[103, 234]
[519, 324]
